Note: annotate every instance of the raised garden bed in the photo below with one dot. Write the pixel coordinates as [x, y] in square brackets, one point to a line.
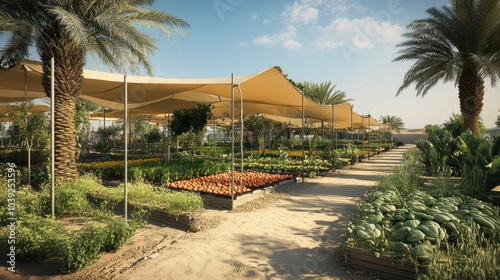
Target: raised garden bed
[224, 202]
[383, 266]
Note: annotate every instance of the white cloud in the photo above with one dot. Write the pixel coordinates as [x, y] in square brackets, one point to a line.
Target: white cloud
[266, 21]
[301, 13]
[341, 7]
[292, 44]
[254, 16]
[361, 33]
[286, 39]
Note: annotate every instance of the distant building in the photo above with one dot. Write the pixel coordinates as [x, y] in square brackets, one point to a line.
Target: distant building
[409, 136]
[493, 132]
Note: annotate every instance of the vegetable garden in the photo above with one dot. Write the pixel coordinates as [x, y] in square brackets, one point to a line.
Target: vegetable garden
[446, 227]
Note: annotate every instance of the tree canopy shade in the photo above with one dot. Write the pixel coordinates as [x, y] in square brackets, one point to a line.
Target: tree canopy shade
[67, 30]
[457, 43]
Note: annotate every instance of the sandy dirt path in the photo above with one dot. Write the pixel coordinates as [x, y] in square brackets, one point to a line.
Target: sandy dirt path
[296, 236]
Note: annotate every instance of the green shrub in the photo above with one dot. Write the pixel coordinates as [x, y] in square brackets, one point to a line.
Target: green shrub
[473, 257]
[116, 234]
[474, 181]
[405, 178]
[35, 237]
[80, 248]
[70, 200]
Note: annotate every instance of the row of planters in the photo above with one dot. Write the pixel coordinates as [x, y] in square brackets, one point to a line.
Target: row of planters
[39, 238]
[430, 225]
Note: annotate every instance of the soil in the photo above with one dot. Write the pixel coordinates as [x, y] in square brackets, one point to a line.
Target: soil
[296, 234]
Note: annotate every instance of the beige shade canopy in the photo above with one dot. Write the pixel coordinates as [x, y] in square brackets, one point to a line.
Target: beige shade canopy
[268, 92]
[5, 108]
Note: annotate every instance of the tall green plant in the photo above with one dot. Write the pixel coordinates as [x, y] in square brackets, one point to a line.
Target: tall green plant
[475, 151]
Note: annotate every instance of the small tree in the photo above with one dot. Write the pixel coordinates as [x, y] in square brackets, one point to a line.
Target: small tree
[31, 129]
[190, 120]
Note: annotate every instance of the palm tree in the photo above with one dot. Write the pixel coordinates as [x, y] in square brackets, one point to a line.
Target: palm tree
[459, 42]
[395, 122]
[324, 94]
[68, 30]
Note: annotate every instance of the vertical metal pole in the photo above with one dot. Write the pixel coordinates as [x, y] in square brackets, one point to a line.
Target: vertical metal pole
[302, 136]
[125, 127]
[215, 137]
[333, 126]
[352, 135]
[52, 138]
[363, 133]
[232, 141]
[168, 137]
[369, 131]
[165, 133]
[25, 112]
[241, 138]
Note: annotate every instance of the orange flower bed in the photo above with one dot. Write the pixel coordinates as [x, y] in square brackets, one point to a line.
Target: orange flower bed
[221, 183]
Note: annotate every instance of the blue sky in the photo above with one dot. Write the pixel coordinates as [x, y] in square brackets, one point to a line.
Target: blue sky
[348, 42]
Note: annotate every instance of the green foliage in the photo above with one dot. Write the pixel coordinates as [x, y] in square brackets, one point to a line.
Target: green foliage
[455, 125]
[80, 248]
[143, 196]
[190, 120]
[35, 237]
[474, 181]
[473, 257]
[107, 138]
[435, 152]
[405, 178]
[153, 136]
[324, 93]
[70, 200]
[394, 122]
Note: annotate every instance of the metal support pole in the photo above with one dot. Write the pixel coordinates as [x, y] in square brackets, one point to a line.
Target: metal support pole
[241, 139]
[232, 141]
[352, 135]
[369, 131]
[215, 137]
[52, 138]
[125, 127]
[168, 137]
[302, 136]
[333, 127]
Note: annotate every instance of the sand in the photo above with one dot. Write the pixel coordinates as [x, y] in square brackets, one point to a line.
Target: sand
[292, 235]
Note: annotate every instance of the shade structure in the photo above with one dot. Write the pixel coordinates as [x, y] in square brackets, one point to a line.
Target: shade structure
[268, 92]
[269, 86]
[5, 108]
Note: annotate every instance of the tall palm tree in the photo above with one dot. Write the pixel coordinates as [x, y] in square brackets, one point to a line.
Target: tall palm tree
[324, 94]
[395, 122]
[68, 30]
[459, 42]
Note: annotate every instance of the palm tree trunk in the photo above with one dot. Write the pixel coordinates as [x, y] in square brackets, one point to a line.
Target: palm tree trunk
[471, 94]
[68, 80]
